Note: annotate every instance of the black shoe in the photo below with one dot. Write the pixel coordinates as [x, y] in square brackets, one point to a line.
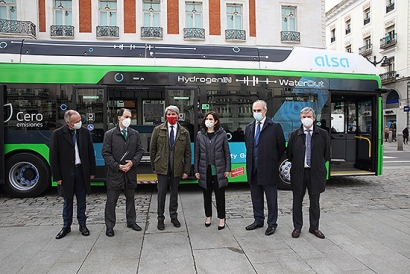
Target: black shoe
[64, 231]
[317, 233]
[296, 233]
[175, 222]
[109, 232]
[220, 227]
[84, 230]
[134, 226]
[161, 225]
[270, 230]
[252, 226]
[208, 224]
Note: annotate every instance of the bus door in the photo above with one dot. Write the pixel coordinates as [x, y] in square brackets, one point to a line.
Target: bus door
[186, 99]
[91, 103]
[353, 135]
[3, 90]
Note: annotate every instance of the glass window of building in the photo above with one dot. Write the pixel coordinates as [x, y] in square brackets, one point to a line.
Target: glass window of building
[288, 18]
[108, 13]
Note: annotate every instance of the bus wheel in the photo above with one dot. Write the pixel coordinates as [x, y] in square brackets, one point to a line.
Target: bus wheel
[284, 174]
[27, 175]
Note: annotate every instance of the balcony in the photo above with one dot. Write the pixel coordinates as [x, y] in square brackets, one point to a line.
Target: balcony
[366, 21]
[151, 32]
[235, 35]
[388, 77]
[388, 41]
[332, 39]
[16, 28]
[62, 31]
[108, 31]
[290, 36]
[389, 8]
[194, 34]
[348, 31]
[366, 50]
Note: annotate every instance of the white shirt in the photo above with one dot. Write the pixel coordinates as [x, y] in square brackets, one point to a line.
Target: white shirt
[77, 154]
[261, 121]
[175, 129]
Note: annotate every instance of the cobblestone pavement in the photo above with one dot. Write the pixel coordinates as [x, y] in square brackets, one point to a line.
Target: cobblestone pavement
[343, 194]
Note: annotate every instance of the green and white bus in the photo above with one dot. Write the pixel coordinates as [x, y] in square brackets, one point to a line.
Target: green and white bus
[40, 80]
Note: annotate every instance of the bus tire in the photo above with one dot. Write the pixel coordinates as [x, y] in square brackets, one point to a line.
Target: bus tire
[27, 175]
[284, 175]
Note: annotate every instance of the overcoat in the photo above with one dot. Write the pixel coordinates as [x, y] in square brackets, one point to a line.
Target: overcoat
[271, 147]
[62, 158]
[220, 149]
[114, 148]
[320, 155]
[159, 150]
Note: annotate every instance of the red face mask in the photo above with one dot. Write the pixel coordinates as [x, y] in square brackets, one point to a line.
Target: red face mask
[172, 119]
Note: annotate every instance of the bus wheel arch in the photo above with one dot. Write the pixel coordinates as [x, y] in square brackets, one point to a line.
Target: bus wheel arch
[27, 175]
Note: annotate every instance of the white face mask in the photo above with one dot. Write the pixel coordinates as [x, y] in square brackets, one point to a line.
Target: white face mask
[209, 123]
[258, 116]
[77, 125]
[126, 122]
[307, 122]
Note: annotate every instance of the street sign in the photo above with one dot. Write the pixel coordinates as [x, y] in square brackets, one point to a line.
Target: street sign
[205, 106]
[406, 108]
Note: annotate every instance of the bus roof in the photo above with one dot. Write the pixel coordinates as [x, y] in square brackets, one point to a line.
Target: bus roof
[147, 54]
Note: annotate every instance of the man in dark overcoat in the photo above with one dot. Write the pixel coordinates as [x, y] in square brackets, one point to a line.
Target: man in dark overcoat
[265, 145]
[308, 155]
[72, 162]
[122, 151]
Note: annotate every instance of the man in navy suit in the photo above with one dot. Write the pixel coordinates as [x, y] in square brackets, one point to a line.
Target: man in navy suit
[265, 145]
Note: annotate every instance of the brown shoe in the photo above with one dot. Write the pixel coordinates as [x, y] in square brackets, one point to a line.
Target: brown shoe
[295, 233]
[161, 225]
[175, 222]
[317, 233]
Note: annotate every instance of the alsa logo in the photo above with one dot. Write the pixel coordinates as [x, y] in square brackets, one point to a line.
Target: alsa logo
[335, 62]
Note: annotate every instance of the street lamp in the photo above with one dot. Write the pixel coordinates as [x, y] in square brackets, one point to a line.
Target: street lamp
[385, 61]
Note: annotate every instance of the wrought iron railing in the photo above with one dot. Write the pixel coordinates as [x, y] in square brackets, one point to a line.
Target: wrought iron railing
[388, 41]
[18, 27]
[290, 36]
[108, 31]
[348, 30]
[60, 30]
[366, 50]
[151, 32]
[366, 21]
[332, 39]
[390, 7]
[388, 76]
[235, 34]
[194, 33]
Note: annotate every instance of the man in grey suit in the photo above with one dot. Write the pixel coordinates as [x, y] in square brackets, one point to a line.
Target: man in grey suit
[122, 151]
[265, 145]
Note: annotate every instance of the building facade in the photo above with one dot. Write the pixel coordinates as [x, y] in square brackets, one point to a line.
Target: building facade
[219, 22]
[379, 31]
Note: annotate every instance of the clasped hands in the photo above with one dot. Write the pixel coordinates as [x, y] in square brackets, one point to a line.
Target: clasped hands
[127, 166]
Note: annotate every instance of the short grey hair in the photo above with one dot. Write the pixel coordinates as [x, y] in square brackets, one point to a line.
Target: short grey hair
[172, 108]
[265, 106]
[69, 113]
[306, 110]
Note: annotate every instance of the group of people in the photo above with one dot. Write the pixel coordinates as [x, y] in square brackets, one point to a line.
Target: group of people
[73, 165]
[392, 129]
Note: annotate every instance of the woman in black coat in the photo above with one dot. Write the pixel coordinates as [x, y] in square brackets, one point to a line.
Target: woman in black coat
[212, 165]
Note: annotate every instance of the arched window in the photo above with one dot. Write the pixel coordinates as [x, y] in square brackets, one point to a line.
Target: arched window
[392, 100]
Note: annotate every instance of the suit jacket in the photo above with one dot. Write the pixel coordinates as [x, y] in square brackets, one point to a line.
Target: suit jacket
[114, 148]
[271, 147]
[62, 158]
[159, 150]
[320, 155]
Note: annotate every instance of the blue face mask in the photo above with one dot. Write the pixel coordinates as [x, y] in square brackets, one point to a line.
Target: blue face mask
[257, 116]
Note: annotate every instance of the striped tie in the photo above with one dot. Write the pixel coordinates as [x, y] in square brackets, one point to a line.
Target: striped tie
[308, 147]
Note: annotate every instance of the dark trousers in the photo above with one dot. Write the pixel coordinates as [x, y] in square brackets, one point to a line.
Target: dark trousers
[212, 185]
[111, 203]
[80, 194]
[314, 207]
[271, 193]
[162, 186]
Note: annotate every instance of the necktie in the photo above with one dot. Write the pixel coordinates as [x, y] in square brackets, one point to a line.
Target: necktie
[171, 137]
[124, 132]
[258, 132]
[308, 147]
[74, 138]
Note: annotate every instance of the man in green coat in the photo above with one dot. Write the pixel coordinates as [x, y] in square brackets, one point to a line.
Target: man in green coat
[170, 153]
